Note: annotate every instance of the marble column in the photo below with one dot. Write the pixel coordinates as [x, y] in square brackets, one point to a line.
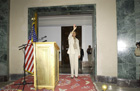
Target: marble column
[126, 39]
[4, 39]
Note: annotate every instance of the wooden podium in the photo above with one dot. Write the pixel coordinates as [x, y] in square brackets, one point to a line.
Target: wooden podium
[46, 65]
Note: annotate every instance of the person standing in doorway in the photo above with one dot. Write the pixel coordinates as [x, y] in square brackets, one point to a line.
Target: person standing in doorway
[74, 52]
[89, 52]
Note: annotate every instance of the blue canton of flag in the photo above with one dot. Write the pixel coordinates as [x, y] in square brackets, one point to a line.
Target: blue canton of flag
[34, 34]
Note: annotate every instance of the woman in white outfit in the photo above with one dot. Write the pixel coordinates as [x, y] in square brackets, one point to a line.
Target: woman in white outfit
[74, 52]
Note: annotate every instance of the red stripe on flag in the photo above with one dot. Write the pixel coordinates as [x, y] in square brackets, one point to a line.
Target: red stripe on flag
[32, 69]
[29, 47]
[30, 63]
[29, 57]
[27, 44]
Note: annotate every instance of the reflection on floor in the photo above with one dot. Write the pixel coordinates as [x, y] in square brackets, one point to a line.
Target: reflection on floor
[89, 70]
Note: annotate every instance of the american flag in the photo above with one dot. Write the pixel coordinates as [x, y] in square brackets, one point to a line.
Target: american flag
[29, 57]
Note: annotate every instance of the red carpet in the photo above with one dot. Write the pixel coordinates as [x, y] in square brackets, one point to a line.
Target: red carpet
[82, 83]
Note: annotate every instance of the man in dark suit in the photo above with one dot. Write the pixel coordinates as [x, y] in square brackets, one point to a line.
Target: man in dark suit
[81, 58]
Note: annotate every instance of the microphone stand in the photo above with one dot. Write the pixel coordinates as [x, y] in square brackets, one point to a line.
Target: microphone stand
[22, 47]
[24, 82]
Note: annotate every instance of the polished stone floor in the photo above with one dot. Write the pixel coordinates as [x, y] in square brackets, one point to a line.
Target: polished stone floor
[114, 87]
[87, 70]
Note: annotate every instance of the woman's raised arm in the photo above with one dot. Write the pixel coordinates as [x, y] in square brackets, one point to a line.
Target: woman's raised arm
[74, 28]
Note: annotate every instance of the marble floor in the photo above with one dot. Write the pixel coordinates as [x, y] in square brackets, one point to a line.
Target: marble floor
[114, 87]
[87, 70]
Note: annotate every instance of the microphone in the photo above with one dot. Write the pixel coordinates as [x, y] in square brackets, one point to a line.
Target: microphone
[44, 41]
[22, 45]
[43, 37]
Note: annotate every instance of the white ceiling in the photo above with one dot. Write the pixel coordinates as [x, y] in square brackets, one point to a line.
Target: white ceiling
[67, 20]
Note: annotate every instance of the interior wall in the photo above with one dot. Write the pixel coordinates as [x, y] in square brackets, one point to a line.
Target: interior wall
[86, 39]
[105, 26]
[53, 34]
[63, 20]
[106, 29]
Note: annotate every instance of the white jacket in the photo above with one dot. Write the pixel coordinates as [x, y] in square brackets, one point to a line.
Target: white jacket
[71, 43]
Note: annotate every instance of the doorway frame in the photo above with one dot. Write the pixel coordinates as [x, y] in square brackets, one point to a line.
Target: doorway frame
[68, 10]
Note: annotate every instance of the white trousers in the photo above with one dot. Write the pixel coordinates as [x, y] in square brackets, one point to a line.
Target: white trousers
[74, 63]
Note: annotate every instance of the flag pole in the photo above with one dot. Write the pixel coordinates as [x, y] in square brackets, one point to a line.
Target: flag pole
[36, 24]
